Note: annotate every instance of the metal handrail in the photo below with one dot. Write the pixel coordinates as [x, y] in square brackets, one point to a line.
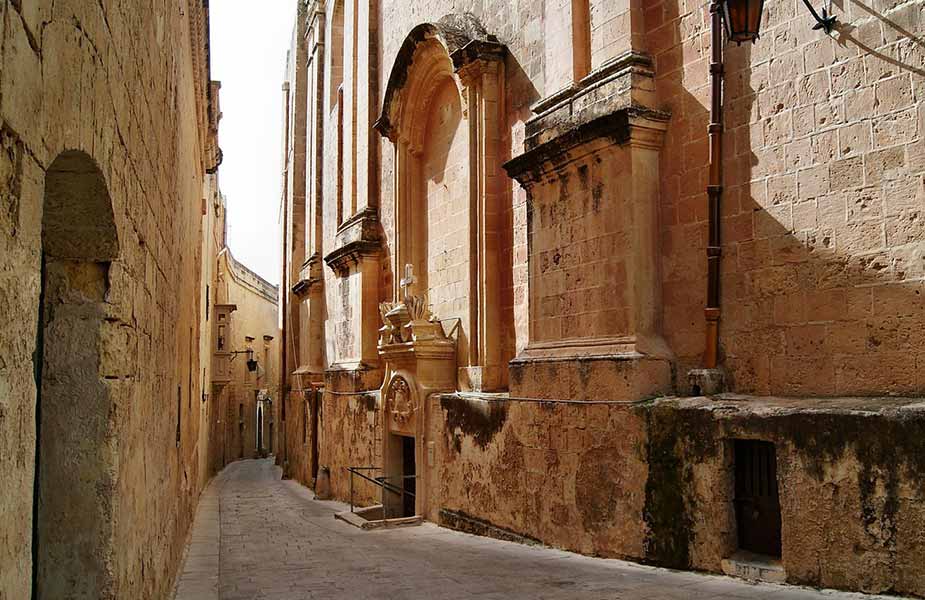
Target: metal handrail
[381, 481]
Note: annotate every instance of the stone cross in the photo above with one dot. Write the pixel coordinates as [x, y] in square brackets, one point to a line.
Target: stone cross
[407, 281]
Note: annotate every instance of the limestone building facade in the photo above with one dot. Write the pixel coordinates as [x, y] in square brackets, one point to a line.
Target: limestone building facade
[498, 233]
[245, 350]
[108, 125]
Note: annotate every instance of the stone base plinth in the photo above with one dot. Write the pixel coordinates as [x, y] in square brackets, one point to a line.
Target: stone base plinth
[629, 376]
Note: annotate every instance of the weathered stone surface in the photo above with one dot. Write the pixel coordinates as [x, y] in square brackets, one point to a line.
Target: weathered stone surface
[257, 536]
[577, 291]
[102, 119]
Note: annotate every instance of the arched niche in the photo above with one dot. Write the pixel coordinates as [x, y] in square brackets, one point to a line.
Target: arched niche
[75, 457]
[454, 69]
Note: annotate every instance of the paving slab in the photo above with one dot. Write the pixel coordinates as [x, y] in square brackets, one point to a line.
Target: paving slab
[257, 537]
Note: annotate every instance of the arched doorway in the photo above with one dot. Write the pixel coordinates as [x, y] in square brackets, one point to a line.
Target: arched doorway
[75, 467]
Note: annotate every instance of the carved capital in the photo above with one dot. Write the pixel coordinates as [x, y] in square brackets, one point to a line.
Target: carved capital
[478, 53]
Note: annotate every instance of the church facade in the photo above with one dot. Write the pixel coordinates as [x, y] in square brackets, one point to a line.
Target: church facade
[546, 283]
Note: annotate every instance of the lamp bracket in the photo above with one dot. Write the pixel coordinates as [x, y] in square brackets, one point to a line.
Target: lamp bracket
[235, 353]
[825, 22]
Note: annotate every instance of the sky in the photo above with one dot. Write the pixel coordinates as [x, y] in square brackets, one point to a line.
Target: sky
[248, 50]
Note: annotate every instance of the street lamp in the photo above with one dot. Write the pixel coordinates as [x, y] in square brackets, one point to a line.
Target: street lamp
[742, 19]
[251, 361]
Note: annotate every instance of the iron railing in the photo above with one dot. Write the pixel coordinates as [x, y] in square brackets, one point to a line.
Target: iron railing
[382, 482]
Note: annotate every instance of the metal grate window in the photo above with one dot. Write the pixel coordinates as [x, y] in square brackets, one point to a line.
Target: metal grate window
[757, 500]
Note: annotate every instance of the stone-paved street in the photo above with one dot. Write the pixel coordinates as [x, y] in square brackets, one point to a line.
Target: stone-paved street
[259, 538]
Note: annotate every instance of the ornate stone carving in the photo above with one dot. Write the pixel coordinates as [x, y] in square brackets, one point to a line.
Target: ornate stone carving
[410, 319]
[399, 401]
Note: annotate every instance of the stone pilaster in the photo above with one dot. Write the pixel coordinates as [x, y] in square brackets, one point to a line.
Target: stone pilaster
[591, 174]
[355, 261]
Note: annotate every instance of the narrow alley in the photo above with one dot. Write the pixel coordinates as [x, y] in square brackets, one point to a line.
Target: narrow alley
[257, 537]
[531, 283]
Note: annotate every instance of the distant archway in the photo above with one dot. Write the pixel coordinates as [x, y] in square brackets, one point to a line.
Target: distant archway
[75, 464]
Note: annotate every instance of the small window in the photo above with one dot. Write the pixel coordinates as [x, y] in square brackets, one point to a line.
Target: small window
[207, 303]
[336, 44]
[757, 500]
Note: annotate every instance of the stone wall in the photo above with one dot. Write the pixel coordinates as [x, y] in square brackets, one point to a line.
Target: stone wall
[566, 474]
[849, 479]
[654, 482]
[125, 87]
[298, 434]
[602, 112]
[351, 436]
[821, 219]
[213, 240]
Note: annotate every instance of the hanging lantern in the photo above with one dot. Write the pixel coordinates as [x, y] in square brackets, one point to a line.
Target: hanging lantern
[742, 19]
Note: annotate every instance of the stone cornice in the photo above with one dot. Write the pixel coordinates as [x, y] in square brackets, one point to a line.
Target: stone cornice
[631, 63]
[611, 105]
[309, 276]
[625, 126]
[341, 259]
[357, 238]
[363, 225]
[247, 278]
[302, 287]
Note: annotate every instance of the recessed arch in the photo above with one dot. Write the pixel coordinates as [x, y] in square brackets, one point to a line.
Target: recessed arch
[462, 39]
[75, 463]
[77, 221]
[448, 184]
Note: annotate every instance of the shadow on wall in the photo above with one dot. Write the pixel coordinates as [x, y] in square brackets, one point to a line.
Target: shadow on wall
[521, 94]
[76, 367]
[822, 217]
[849, 34]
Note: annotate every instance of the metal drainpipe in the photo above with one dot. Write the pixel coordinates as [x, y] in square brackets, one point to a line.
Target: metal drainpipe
[284, 339]
[284, 287]
[714, 190]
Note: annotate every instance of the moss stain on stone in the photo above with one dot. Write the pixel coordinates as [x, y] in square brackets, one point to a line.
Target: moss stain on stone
[477, 419]
[676, 441]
